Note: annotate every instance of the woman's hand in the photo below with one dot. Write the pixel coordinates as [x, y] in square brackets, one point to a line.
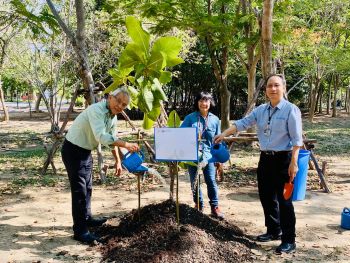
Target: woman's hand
[132, 147]
[292, 170]
[118, 168]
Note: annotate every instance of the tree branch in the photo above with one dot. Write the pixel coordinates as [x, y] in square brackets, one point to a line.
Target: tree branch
[62, 24]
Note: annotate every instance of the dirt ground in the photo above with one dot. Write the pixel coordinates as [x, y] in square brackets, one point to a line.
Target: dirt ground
[35, 221]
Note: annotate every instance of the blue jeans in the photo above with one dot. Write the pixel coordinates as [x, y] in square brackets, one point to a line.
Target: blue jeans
[209, 177]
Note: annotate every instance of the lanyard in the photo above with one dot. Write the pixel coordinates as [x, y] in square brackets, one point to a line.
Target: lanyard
[270, 116]
[199, 124]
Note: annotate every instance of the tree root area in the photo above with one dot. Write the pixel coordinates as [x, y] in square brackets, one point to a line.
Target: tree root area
[153, 235]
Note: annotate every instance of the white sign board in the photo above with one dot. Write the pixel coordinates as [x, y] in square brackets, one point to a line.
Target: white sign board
[176, 144]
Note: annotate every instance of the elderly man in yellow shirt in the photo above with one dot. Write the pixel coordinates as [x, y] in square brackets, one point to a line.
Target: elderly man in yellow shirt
[96, 124]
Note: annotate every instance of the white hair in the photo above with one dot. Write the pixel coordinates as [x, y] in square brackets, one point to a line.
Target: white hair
[123, 90]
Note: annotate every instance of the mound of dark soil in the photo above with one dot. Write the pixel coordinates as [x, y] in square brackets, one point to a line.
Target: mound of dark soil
[156, 237]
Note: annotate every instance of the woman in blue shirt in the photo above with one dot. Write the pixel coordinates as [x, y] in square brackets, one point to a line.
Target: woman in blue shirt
[208, 126]
[279, 131]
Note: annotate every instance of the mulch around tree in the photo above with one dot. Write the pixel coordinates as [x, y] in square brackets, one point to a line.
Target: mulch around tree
[157, 237]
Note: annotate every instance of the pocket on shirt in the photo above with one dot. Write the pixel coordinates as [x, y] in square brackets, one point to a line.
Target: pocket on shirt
[210, 134]
[280, 125]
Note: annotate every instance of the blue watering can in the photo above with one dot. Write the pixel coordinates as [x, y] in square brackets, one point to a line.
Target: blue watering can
[220, 153]
[345, 218]
[132, 162]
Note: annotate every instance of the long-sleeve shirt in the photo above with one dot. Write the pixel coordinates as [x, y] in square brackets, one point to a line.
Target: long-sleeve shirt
[93, 126]
[207, 129]
[284, 130]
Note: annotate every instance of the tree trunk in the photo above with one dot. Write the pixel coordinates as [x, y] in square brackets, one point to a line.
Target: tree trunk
[2, 61]
[251, 82]
[329, 96]
[225, 96]
[313, 92]
[219, 62]
[2, 100]
[78, 43]
[266, 37]
[60, 135]
[347, 100]
[37, 102]
[320, 108]
[336, 85]
[318, 98]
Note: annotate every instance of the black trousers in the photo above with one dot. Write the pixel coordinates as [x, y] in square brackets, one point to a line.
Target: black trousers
[78, 163]
[279, 213]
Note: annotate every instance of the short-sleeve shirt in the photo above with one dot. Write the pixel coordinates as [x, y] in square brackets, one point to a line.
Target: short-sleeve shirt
[285, 129]
[207, 128]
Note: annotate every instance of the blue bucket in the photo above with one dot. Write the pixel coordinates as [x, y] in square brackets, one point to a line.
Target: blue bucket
[301, 177]
[132, 162]
[345, 218]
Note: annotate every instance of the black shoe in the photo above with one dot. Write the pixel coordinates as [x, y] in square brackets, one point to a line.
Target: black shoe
[268, 237]
[94, 222]
[285, 248]
[87, 238]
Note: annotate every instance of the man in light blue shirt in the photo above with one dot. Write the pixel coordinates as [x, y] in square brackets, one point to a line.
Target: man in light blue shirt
[279, 131]
[96, 124]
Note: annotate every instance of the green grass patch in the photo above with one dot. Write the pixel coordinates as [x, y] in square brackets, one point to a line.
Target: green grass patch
[333, 138]
[30, 153]
[35, 181]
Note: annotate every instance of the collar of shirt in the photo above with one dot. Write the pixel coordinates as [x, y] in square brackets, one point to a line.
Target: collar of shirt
[209, 114]
[278, 106]
[108, 111]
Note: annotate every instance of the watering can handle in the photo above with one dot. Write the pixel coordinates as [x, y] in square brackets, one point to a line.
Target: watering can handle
[346, 210]
[141, 152]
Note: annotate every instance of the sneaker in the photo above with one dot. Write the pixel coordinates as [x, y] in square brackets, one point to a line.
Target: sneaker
[87, 238]
[94, 222]
[285, 248]
[269, 237]
[216, 213]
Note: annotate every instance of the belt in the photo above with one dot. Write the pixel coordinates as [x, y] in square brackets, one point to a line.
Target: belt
[275, 152]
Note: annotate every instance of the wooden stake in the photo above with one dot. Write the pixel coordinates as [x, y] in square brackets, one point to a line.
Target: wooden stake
[177, 195]
[139, 193]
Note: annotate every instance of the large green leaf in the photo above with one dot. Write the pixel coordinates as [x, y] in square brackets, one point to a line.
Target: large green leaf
[174, 120]
[184, 165]
[132, 54]
[158, 91]
[147, 122]
[119, 76]
[129, 58]
[171, 46]
[156, 62]
[137, 33]
[113, 86]
[154, 113]
[141, 104]
[147, 97]
[171, 62]
[165, 77]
